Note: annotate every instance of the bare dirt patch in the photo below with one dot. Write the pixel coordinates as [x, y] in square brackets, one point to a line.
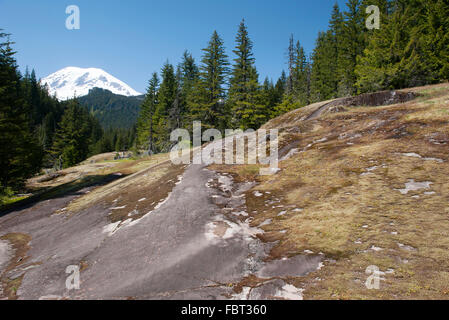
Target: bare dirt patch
[20, 245]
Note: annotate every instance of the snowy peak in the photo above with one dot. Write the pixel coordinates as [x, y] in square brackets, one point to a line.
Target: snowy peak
[72, 81]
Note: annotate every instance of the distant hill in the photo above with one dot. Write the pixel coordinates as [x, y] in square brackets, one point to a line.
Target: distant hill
[112, 110]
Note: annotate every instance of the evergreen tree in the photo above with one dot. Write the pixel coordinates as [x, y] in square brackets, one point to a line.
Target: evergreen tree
[20, 156]
[178, 108]
[166, 97]
[245, 96]
[436, 37]
[300, 76]
[335, 49]
[290, 63]
[206, 104]
[145, 129]
[187, 78]
[410, 49]
[352, 44]
[73, 137]
[189, 72]
[323, 80]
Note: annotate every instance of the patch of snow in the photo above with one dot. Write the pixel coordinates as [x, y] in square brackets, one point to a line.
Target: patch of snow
[412, 155]
[133, 213]
[240, 213]
[411, 185]
[282, 213]
[241, 229]
[405, 247]
[291, 153]
[434, 159]
[415, 155]
[266, 222]
[242, 295]
[111, 228]
[320, 140]
[225, 183]
[257, 194]
[143, 199]
[162, 202]
[179, 180]
[368, 170]
[118, 208]
[289, 292]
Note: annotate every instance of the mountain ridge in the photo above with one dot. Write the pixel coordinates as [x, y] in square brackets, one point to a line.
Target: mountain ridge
[112, 110]
[72, 82]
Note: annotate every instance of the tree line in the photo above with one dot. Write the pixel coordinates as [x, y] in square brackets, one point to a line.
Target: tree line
[411, 48]
[218, 94]
[37, 130]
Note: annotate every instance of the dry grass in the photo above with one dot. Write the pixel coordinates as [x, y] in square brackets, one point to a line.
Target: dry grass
[358, 219]
[130, 194]
[99, 165]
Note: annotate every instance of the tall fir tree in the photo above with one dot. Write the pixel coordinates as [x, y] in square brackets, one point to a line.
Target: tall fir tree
[73, 137]
[207, 102]
[410, 49]
[162, 121]
[290, 65]
[145, 127]
[323, 75]
[188, 75]
[300, 76]
[352, 44]
[335, 37]
[20, 155]
[245, 96]
[436, 36]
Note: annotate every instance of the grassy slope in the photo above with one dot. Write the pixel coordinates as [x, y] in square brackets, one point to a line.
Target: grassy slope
[345, 213]
[358, 219]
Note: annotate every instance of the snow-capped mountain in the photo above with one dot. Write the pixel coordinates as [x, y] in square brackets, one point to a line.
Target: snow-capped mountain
[73, 81]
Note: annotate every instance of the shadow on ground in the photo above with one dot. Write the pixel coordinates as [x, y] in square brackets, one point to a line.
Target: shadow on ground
[70, 188]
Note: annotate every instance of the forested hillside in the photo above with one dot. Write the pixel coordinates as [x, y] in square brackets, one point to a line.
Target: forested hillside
[112, 110]
[38, 131]
[411, 48]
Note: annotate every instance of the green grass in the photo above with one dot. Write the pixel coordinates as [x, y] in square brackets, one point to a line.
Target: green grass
[9, 200]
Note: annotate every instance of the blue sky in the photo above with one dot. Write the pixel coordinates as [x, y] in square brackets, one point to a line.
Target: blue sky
[131, 39]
